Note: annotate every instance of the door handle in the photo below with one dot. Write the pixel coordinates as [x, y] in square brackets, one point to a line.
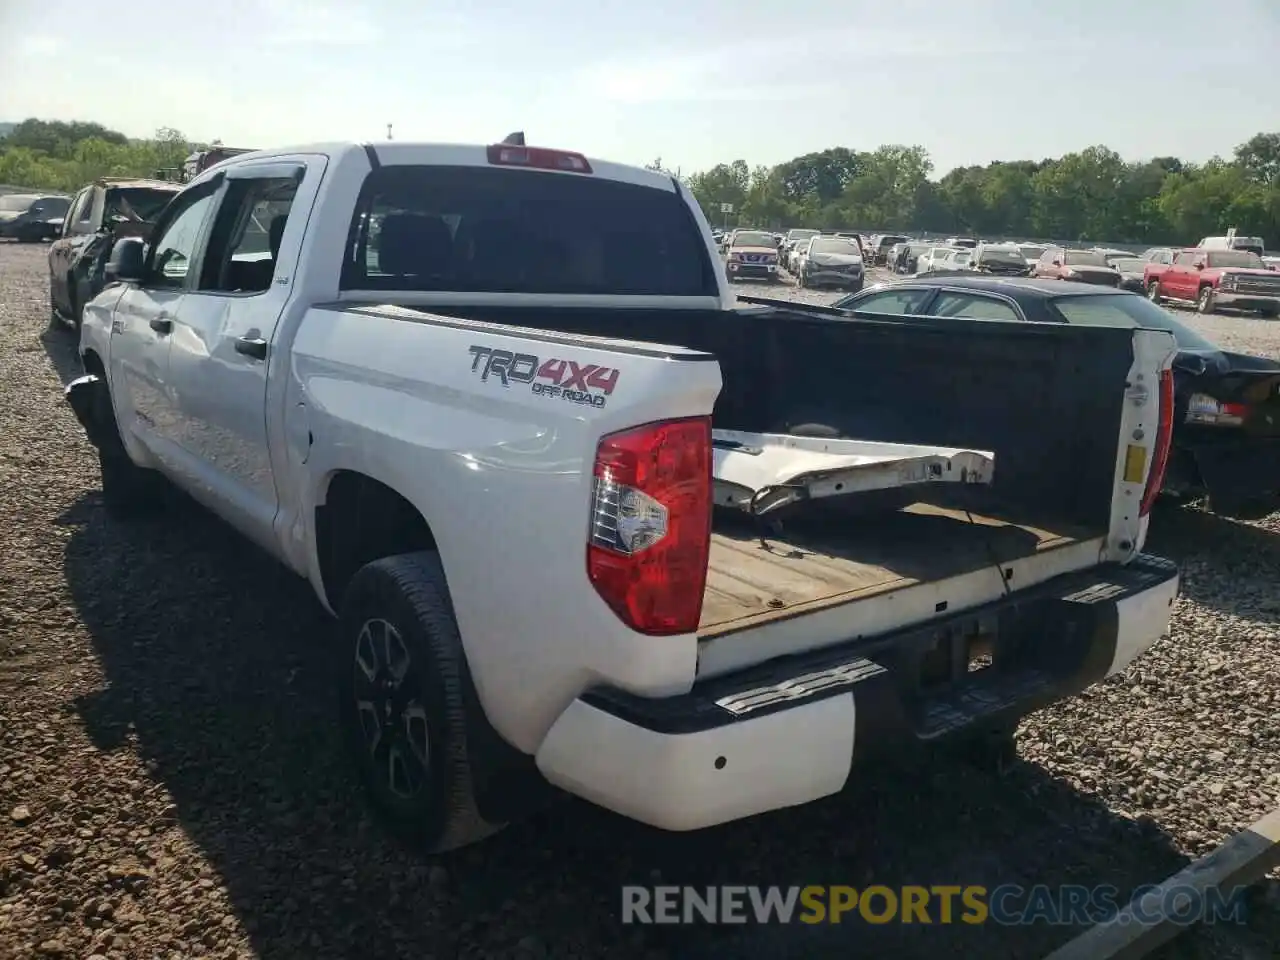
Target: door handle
[161, 324]
[254, 347]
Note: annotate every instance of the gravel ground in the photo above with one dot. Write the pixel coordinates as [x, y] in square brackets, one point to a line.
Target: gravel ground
[169, 781]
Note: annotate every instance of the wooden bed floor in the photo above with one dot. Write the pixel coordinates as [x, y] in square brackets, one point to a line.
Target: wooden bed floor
[750, 578]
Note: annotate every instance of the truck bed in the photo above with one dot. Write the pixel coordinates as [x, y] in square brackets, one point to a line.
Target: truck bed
[756, 576]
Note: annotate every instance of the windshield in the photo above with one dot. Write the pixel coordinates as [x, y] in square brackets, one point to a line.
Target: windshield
[1084, 258]
[1129, 264]
[1030, 252]
[16, 204]
[1128, 310]
[747, 239]
[1236, 258]
[1001, 254]
[835, 245]
[802, 234]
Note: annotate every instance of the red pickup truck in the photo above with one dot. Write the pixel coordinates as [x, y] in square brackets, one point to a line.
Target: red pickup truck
[1216, 278]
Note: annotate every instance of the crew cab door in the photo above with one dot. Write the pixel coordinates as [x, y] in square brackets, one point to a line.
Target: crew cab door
[1182, 279]
[223, 337]
[144, 320]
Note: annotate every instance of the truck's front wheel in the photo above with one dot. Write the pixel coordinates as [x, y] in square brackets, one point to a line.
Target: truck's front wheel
[403, 701]
[128, 491]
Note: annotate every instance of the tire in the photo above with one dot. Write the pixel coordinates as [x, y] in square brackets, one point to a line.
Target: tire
[128, 490]
[1153, 292]
[1270, 313]
[992, 749]
[1204, 302]
[400, 606]
[75, 315]
[854, 288]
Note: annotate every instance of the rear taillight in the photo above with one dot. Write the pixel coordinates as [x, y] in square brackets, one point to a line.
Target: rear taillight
[650, 532]
[1205, 410]
[1164, 439]
[539, 158]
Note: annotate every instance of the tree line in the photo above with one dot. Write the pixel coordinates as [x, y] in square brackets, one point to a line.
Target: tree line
[1093, 195]
[62, 157]
[1090, 196]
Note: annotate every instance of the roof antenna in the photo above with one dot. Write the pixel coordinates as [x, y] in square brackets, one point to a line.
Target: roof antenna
[515, 139]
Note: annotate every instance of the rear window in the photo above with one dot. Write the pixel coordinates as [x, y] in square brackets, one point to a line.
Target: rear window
[1128, 310]
[495, 230]
[1084, 258]
[1001, 254]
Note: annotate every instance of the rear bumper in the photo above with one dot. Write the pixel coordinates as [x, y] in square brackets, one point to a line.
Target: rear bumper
[1240, 476]
[791, 731]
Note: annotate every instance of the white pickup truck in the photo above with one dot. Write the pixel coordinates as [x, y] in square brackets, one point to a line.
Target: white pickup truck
[468, 393]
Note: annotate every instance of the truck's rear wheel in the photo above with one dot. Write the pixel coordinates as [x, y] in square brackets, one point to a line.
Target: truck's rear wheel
[992, 748]
[403, 701]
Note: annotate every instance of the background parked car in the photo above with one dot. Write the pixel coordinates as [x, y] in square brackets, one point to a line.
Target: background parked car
[1083, 266]
[1132, 272]
[1032, 252]
[1210, 279]
[959, 259]
[934, 258]
[883, 244]
[101, 213]
[32, 217]
[831, 261]
[1226, 437]
[752, 255]
[1001, 259]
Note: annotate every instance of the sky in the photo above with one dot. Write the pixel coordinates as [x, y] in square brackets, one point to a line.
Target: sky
[695, 82]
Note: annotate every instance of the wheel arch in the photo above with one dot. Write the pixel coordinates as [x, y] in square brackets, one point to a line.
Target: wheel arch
[359, 519]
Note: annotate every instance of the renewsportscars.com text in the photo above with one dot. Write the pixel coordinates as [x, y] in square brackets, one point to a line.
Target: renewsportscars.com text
[1009, 904]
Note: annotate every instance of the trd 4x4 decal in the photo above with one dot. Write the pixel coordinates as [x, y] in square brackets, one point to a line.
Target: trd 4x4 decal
[553, 378]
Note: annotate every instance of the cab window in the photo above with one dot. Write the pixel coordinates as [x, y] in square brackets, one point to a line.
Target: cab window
[951, 304]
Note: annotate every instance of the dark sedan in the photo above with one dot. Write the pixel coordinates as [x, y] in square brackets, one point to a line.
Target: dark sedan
[32, 217]
[1132, 272]
[1226, 441]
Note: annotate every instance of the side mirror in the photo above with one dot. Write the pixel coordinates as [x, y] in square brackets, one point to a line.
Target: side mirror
[1057, 263]
[127, 263]
[1199, 264]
